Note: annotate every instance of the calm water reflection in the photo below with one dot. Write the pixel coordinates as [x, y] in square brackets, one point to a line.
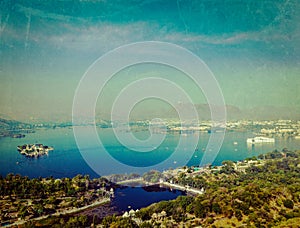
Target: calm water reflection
[66, 159]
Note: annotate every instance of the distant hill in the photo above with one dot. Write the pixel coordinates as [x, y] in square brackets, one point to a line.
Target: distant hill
[148, 112]
[15, 129]
[233, 112]
[255, 113]
[271, 113]
[10, 124]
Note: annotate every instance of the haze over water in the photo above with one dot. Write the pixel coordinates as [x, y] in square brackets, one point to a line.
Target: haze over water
[251, 47]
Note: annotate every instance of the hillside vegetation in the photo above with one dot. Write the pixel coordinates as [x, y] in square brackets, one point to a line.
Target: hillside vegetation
[267, 195]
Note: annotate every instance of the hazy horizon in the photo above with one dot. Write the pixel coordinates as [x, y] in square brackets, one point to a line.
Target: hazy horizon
[45, 48]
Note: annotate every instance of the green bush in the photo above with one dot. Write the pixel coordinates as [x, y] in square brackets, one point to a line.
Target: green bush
[288, 203]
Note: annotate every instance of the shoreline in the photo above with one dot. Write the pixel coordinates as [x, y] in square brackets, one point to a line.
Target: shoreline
[143, 183]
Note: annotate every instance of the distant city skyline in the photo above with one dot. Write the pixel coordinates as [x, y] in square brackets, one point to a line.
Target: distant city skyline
[252, 48]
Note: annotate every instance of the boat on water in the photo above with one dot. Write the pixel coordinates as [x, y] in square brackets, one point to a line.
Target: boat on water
[260, 140]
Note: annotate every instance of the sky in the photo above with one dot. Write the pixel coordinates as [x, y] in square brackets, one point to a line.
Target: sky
[252, 48]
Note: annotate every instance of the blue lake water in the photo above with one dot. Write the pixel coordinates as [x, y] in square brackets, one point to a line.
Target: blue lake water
[127, 198]
[134, 197]
[67, 160]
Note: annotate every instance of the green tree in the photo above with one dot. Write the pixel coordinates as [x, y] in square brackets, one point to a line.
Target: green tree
[288, 203]
[238, 215]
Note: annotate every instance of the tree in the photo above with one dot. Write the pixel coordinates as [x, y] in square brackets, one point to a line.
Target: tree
[238, 215]
[228, 167]
[261, 156]
[39, 209]
[108, 220]
[146, 225]
[288, 203]
[82, 219]
[22, 212]
[216, 208]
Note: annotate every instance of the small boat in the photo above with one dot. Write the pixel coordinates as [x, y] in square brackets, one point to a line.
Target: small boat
[260, 140]
[235, 143]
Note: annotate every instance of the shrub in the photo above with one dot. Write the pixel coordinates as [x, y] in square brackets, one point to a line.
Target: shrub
[288, 203]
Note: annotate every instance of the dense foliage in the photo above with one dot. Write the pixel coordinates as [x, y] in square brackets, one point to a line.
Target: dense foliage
[17, 186]
[26, 198]
[264, 195]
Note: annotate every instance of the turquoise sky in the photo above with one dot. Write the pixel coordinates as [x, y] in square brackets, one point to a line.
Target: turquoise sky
[252, 47]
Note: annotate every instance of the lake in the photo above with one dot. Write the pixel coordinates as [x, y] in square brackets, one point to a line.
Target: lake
[133, 197]
[129, 197]
[67, 161]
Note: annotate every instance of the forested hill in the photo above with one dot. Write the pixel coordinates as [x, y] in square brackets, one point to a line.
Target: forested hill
[267, 195]
[15, 129]
[12, 124]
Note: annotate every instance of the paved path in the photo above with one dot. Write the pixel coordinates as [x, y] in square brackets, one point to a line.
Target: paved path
[183, 188]
[64, 212]
[175, 186]
[140, 179]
